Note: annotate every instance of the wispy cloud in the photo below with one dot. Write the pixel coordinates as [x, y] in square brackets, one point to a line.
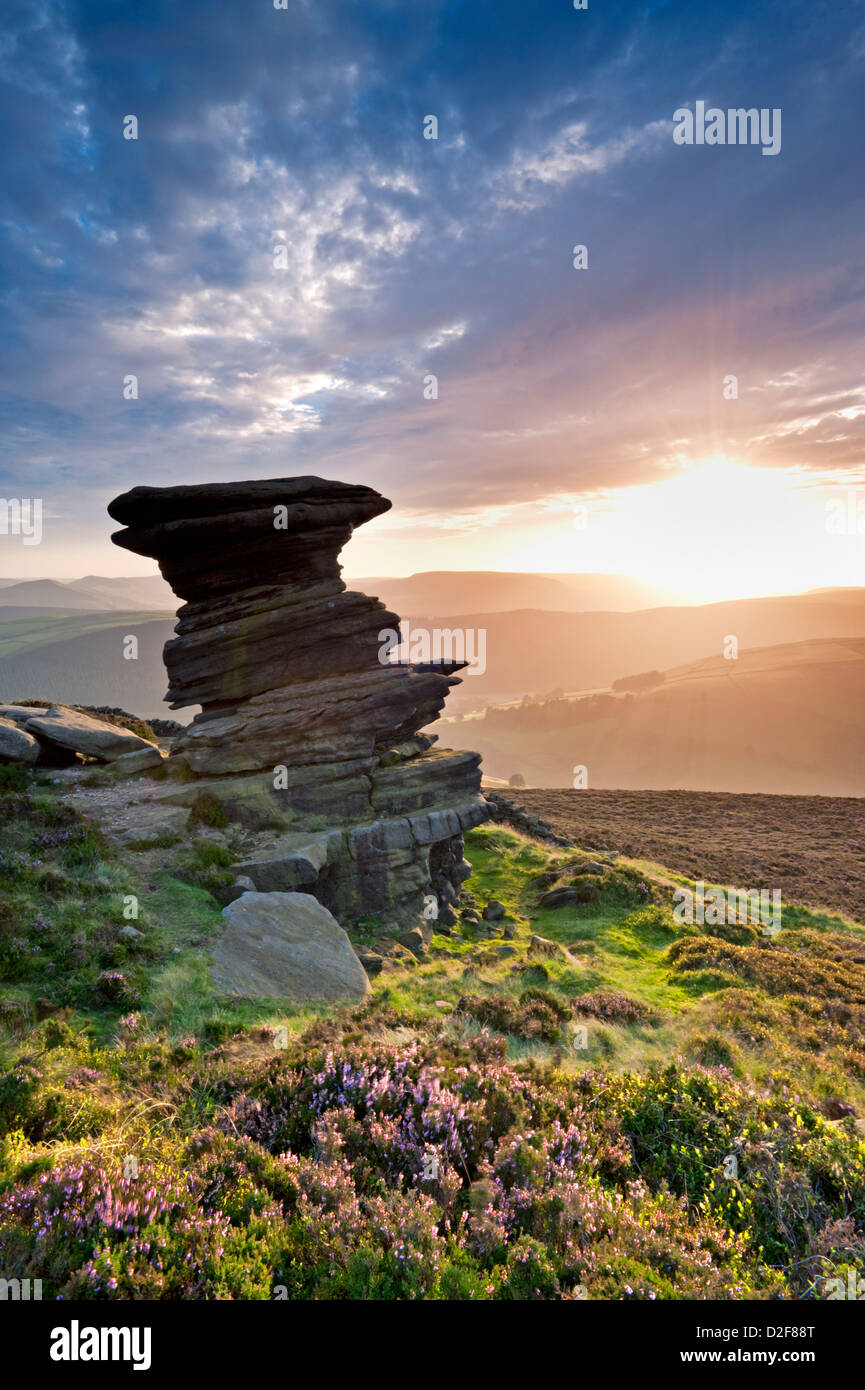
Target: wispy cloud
[402, 257]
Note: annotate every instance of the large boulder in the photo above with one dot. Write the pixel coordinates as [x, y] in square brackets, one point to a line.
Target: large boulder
[288, 946]
[70, 729]
[16, 746]
[542, 946]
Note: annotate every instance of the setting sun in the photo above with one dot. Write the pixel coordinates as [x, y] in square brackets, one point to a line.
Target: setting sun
[718, 529]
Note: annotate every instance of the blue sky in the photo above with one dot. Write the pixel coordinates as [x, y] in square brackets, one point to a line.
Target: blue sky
[407, 256]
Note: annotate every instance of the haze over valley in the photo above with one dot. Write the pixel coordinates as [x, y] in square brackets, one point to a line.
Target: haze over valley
[783, 716]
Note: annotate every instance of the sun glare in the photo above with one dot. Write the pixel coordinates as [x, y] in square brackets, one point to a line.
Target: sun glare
[718, 529]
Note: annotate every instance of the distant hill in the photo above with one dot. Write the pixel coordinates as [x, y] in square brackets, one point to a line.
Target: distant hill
[446, 592]
[442, 592]
[538, 652]
[93, 593]
[48, 593]
[77, 658]
[784, 719]
[137, 591]
[528, 651]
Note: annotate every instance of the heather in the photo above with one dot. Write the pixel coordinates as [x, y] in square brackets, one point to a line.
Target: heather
[433, 1171]
[582, 1101]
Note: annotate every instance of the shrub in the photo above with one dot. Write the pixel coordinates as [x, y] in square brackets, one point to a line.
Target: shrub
[207, 866]
[775, 969]
[113, 987]
[14, 777]
[208, 810]
[612, 1007]
[537, 1015]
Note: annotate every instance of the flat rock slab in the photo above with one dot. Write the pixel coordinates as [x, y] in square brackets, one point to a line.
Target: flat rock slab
[16, 746]
[139, 760]
[69, 729]
[293, 861]
[19, 714]
[146, 820]
[559, 897]
[287, 946]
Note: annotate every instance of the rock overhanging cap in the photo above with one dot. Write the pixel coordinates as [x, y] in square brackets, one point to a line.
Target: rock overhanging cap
[212, 537]
[147, 506]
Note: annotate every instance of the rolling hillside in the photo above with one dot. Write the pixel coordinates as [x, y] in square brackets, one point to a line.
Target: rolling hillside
[94, 592]
[538, 652]
[77, 658]
[446, 592]
[782, 719]
[76, 655]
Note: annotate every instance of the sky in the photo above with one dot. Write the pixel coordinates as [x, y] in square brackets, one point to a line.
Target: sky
[282, 261]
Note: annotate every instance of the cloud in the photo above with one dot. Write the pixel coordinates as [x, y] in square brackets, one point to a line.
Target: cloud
[532, 176]
[401, 257]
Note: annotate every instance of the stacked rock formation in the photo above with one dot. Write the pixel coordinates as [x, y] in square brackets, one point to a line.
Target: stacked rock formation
[303, 726]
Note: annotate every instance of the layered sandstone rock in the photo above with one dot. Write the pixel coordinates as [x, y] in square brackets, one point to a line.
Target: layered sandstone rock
[302, 727]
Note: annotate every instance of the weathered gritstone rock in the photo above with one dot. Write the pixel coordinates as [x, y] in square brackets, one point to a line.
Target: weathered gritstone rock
[19, 714]
[302, 727]
[138, 761]
[16, 746]
[501, 808]
[78, 733]
[52, 736]
[285, 945]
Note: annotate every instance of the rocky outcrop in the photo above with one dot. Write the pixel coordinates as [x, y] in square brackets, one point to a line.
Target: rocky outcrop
[303, 726]
[503, 809]
[53, 736]
[69, 729]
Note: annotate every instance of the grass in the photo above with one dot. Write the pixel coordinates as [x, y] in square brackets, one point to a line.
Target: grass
[680, 1045]
[811, 847]
[691, 985]
[20, 635]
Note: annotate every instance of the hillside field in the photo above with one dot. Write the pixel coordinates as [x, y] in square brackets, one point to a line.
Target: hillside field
[780, 719]
[811, 847]
[580, 1102]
